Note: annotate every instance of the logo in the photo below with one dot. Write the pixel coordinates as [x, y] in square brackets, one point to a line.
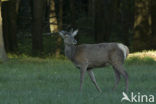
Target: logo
[137, 97]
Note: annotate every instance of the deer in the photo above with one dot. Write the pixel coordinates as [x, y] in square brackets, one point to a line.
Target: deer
[88, 56]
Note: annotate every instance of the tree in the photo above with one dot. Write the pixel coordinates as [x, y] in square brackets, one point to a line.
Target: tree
[91, 7]
[60, 25]
[59, 40]
[38, 8]
[127, 20]
[153, 12]
[99, 21]
[9, 14]
[91, 14]
[56, 23]
[142, 25]
[104, 17]
[73, 13]
[3, 56]
[52, 17]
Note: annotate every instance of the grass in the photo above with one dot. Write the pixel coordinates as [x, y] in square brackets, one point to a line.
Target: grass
[52, 81]
[143, 54]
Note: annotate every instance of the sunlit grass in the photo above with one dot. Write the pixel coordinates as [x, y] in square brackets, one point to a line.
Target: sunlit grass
[145, 57]
[143, 54]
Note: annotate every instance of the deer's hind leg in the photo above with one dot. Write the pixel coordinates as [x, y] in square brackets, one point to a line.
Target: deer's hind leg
[122, 71]
[117, 77]
[117, 61]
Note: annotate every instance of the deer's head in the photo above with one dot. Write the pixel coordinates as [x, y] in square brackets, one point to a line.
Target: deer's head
[68, 37]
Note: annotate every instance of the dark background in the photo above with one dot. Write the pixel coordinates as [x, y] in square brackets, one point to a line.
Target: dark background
[31, 26]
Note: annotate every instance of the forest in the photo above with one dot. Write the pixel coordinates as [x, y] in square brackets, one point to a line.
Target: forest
[37, 64]
[31, 27]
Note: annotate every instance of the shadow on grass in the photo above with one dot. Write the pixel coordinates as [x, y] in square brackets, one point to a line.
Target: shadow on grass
[138, 60]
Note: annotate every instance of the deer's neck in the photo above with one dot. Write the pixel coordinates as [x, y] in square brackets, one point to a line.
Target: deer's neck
[70, 51]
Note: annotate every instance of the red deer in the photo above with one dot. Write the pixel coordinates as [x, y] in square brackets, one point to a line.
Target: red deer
[89, 56]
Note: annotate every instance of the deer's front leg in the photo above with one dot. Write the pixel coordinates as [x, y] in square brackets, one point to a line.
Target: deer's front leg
[92, 77]
[82, 75]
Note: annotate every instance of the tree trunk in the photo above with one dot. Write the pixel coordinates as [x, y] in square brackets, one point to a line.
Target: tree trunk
[60, 25]
[5, 23]
[91, 15]
[73, 13]
[3, 56]
[13, 25]
[99, 21]
[9, 13]
[142, 25]
[90, 7]
[59, 40]
[153, 12]
[17, 5]
[37, 26]
[52, 17]
[103, 19]
[127, 20]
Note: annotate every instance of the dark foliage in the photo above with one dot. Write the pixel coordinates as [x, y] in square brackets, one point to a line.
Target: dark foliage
[97, 21]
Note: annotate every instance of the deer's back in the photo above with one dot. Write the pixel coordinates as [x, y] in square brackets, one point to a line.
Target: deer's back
[97, 55]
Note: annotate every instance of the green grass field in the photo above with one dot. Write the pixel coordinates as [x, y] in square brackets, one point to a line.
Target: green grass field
[52, 81]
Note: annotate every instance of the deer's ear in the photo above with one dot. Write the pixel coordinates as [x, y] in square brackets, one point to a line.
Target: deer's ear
[75, 33]
[71, 30]
[61, 33]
